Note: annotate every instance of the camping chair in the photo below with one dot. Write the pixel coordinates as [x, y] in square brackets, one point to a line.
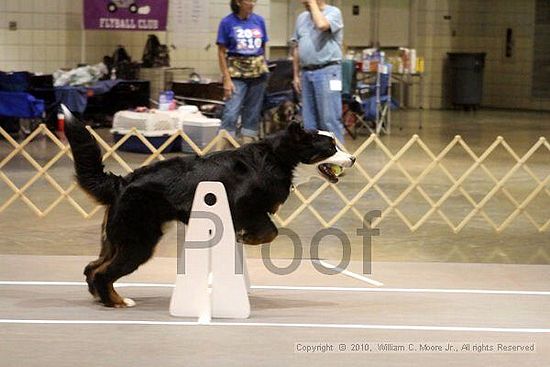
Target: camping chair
[352, 109]
[378, 103]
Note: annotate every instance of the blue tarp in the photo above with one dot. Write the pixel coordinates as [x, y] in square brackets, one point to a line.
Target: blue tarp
[14, 82]
[20, 104]
[76, 98]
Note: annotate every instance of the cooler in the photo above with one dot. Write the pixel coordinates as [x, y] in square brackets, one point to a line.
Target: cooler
[156, 138]
[155, 126]
[146, 121]
[200, 130]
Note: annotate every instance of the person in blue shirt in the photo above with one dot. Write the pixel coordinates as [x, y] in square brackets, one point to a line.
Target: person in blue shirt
[241, 40]
[317, 56]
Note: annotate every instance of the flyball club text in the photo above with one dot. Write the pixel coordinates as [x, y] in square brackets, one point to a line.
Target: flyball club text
[118, 23]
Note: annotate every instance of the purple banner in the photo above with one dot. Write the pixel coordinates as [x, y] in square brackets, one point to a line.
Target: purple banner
[126, 15]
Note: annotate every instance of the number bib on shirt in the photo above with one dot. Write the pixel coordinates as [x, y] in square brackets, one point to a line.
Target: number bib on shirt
[248, 40]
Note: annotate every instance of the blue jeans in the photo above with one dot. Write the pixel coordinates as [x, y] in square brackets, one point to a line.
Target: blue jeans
[322, 107]
[246, 101]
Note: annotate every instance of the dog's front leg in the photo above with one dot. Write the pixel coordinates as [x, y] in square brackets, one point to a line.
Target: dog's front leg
[256, 230]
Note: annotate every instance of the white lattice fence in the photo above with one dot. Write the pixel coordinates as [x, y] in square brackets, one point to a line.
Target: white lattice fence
[369, 183]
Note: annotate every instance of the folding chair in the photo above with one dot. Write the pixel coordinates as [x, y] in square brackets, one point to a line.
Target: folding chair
[374, 96]
[352, 110]
[377, 107]
[359, 100]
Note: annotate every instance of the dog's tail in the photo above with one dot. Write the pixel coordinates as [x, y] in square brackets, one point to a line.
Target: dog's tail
[90, 173]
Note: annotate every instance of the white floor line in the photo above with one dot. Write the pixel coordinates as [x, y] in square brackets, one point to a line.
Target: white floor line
[349, 273]
[407, 290]
[301, 288]
[282, 325]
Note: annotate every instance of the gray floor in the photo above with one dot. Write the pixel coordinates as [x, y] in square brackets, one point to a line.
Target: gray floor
[58, 324]
[476, 286]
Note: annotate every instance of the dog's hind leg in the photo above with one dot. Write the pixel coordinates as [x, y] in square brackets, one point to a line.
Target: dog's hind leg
[106, 254]
[126, 260]
[107, 274]
[133, 230]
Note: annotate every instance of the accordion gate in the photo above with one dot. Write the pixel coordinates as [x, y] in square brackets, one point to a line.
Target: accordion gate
[370, 182]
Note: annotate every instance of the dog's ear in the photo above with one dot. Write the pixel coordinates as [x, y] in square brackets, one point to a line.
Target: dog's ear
[295, 130]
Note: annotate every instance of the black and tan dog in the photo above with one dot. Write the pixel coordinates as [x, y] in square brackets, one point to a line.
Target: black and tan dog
[257, 177]
[278, 118]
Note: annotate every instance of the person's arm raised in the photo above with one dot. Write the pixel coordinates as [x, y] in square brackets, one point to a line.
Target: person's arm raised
[320, 21]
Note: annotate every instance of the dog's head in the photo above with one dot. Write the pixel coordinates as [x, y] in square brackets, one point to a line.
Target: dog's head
[286, 112]
[278, 118]
[318, 154]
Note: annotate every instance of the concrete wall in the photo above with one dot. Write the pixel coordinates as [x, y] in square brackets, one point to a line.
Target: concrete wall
[48, 34]
[49, 37]
[480, 26]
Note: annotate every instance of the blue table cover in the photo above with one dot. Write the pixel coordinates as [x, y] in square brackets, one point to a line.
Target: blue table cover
[20, 104]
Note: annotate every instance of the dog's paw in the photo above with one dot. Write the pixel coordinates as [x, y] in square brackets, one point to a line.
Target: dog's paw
[239, 236]
[129, 302]
[246, 238]
[126, 303]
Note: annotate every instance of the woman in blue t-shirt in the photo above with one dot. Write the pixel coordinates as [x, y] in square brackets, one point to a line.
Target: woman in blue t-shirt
[241, 47]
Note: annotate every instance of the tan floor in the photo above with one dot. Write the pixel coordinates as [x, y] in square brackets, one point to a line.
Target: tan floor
[521, 243]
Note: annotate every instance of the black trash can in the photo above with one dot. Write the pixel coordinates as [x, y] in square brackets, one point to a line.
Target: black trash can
[466, 78]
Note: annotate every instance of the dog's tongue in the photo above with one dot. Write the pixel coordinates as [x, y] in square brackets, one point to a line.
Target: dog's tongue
[330, 171]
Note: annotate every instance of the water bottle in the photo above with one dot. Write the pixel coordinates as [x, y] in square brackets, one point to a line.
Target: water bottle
[165, 100]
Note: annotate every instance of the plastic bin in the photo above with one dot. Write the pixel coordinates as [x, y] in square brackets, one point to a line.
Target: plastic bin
[156, 138]
[466, 78]
[200, 130]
